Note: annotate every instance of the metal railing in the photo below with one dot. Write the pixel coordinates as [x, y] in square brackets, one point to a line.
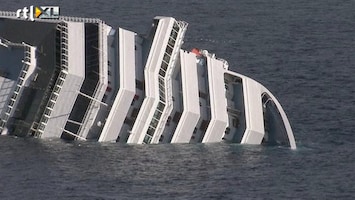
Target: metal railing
[80, 19]
[7, 14]
[61, 18]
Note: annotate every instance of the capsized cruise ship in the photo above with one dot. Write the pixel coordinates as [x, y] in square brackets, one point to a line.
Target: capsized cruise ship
[80, 79]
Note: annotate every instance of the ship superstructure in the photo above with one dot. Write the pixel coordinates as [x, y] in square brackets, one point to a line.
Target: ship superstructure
[81, 79]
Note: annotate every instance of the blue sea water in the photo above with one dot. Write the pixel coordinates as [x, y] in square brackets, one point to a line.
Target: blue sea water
[303, 51]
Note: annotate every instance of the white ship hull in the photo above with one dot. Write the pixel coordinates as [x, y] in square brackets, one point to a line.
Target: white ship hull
[81, 79]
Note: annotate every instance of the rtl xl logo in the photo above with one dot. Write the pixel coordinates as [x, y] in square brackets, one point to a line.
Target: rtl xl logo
[40, 12]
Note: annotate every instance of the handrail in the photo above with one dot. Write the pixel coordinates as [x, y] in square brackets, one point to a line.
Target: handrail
[7, 14]
[61, 18]
[80, 19]
[8, 42]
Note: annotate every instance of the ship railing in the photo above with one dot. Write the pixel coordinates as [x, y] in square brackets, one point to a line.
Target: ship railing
[62, 18]
[27, 54]
[7, 43]
[183, 25]
[4, 42]
[63, 27]
[212, 55]
[7, 14]
[80, 19]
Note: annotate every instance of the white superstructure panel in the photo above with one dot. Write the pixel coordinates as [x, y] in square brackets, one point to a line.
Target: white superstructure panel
[191, 113]
[218, 102]
[151, 81]
[63, 106]
[76, 48]
[94, 106]
[127, 89]
[177, 33]
[130, 104]
[72, 83]
[255, 130]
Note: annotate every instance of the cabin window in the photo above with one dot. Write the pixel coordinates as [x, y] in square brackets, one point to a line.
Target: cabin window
[11, 103]
[20, 81]
[54, 97]
[147, 139]
[47, 112]
[45, 119]
[14, 96]
[17, 89]
[51, 104]
[22, 74]
[41, 127]
[150, 131]
[162, 72]
[169, 50]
